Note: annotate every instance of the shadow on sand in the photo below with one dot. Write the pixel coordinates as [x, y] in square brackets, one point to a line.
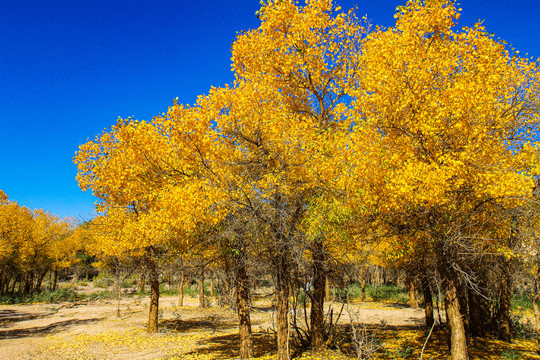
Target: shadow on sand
[227, 346]
[8, 316]
[44, 330]
[211, 322]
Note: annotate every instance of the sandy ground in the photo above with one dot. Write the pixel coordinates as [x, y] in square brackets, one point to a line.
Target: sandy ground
[30, 331]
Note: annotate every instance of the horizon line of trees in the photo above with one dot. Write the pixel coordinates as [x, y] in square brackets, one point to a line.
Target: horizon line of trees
[34, 244]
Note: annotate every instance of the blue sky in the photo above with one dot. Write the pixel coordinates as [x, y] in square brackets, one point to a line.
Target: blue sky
[69, 69]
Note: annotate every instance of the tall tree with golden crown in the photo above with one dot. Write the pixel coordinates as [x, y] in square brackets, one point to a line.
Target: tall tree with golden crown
[455, 116]
[151, 196]
[288, 114]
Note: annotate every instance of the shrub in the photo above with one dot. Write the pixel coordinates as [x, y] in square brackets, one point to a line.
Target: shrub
[105, 294]
[45, 296]
[364, 342]
[171, 292]
[103, 280]
[383, 293]
[56, 296]
[129, 282]
[521, 300]
[388, 293]
[510, 355]
[405, 351]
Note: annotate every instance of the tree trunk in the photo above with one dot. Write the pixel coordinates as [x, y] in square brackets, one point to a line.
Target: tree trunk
[142, 283]
[282, 313]
[40, 279]
[458, 338]
[413, 303]
[428, 303]
[28, 283]
[537, 320]
[317, 299]
[211, 284]
[226, 283]
[118, 294]
[55, 281]
[363, 283]
[154, 300]
[242, 306]
[4, 283]
[15, 282]
[378, 276]
[504, 308]
[477, 320]
[202, 303]
[181, 288]
[327, 288]
[464, 308]
[7, 281]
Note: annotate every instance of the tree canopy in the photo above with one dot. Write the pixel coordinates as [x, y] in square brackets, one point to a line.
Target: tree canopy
[333, 134]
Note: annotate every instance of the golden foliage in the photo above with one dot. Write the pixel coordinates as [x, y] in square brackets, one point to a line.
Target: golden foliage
[34, 242]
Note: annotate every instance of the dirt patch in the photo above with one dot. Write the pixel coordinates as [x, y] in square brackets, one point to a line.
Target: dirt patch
[92, 330]
[30, 331]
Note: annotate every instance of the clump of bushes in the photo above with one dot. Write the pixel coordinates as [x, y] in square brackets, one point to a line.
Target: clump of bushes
[522, 300]
[382, 293]
[45, 296]
[388, 293]
[103, 280]
[105, 294]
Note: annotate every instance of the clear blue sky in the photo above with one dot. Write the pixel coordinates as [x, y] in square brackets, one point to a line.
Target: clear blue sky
[68, 69]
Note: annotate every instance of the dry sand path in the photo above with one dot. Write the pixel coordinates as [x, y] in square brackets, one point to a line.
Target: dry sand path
[27, 331]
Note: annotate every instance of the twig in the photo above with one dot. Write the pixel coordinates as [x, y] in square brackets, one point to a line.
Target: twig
[427, 339]
[76, 303]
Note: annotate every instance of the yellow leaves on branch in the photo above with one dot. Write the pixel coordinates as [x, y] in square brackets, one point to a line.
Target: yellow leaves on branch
[149, 179]
[447, 105]
[389, 120]
[34, 240]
